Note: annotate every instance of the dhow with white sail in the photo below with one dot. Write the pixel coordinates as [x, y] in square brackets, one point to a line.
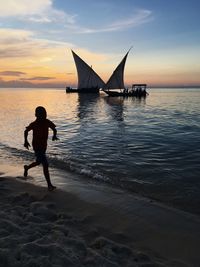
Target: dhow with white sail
[88, 80]
[116, 82]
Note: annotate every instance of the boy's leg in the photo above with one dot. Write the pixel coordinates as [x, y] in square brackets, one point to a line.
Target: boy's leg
[27, 167]
[47, 177]
[41, 158]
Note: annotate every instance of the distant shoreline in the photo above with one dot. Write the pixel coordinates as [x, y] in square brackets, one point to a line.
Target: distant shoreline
[61, 88]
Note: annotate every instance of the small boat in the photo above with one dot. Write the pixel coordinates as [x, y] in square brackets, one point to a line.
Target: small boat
[137, 90]
[88, 80]
[116, 82]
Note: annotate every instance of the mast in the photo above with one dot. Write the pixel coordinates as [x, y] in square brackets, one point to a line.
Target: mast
[87, 77]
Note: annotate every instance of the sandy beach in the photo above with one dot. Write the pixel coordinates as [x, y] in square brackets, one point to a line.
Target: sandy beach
[60, 228]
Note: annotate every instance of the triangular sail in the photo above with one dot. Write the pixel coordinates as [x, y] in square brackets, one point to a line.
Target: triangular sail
[116, 80]
[87, 77]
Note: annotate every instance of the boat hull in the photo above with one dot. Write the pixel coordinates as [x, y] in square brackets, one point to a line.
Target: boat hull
[93, 90]
[126, 94]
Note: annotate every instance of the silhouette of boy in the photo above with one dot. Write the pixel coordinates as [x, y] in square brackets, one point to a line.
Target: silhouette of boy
[40, 128]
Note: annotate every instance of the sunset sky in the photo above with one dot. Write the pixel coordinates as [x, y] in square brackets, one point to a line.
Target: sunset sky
[36, 38]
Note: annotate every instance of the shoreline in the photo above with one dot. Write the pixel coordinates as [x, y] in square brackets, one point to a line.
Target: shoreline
[187, 202]
[113, 229]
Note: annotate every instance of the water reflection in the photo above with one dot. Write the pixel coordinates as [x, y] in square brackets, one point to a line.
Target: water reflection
[86, 104]
[137, 100]
[118, 105]
[116, 109]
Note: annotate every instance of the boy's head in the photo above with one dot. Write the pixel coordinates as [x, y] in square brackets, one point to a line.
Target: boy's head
[40, 113]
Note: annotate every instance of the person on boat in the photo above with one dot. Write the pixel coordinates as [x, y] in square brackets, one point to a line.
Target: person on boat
[40, 128]
[125, 91]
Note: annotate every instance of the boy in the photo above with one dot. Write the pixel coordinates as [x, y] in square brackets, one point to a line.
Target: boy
[40, 128]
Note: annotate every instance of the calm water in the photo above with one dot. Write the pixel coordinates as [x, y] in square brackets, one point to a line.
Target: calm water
[149, 146]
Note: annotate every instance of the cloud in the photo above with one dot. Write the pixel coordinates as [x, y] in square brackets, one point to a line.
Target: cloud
[142, 16]
[37, 79]
[24, 7]
[24, 84]
[51, 16]
[43, 12]
[9, 35]
[12, 73]
[16, 43]
[13, 83]
[37, 11]
[39, 19]
[139, 17]
[38, 59]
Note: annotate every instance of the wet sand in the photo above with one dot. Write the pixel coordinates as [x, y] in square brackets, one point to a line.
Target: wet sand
[93, 227]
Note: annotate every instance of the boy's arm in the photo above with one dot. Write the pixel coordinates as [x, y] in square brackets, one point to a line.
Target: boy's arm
[26, 143]
[54, 134]
[53, 128]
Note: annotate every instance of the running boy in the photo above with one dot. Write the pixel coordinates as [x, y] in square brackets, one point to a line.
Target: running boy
[40, 128]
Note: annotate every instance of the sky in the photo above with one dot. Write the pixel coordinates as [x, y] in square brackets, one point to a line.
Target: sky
[36, 38]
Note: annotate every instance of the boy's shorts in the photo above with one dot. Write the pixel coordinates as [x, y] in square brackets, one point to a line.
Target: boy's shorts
[41, 157]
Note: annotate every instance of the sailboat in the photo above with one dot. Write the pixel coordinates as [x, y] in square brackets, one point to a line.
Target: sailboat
[116, 81]
[88, 80]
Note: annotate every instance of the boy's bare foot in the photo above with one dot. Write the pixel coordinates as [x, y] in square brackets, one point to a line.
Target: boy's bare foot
[51, 188]
[25, 170]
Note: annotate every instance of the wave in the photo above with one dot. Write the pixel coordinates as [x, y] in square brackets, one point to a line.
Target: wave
[55, 161]
[180, 193]
[74, 166]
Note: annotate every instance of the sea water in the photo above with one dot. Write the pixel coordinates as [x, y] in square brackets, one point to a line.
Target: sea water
[149, 146]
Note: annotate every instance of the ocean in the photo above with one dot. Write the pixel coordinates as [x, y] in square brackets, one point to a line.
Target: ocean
[146, 146]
